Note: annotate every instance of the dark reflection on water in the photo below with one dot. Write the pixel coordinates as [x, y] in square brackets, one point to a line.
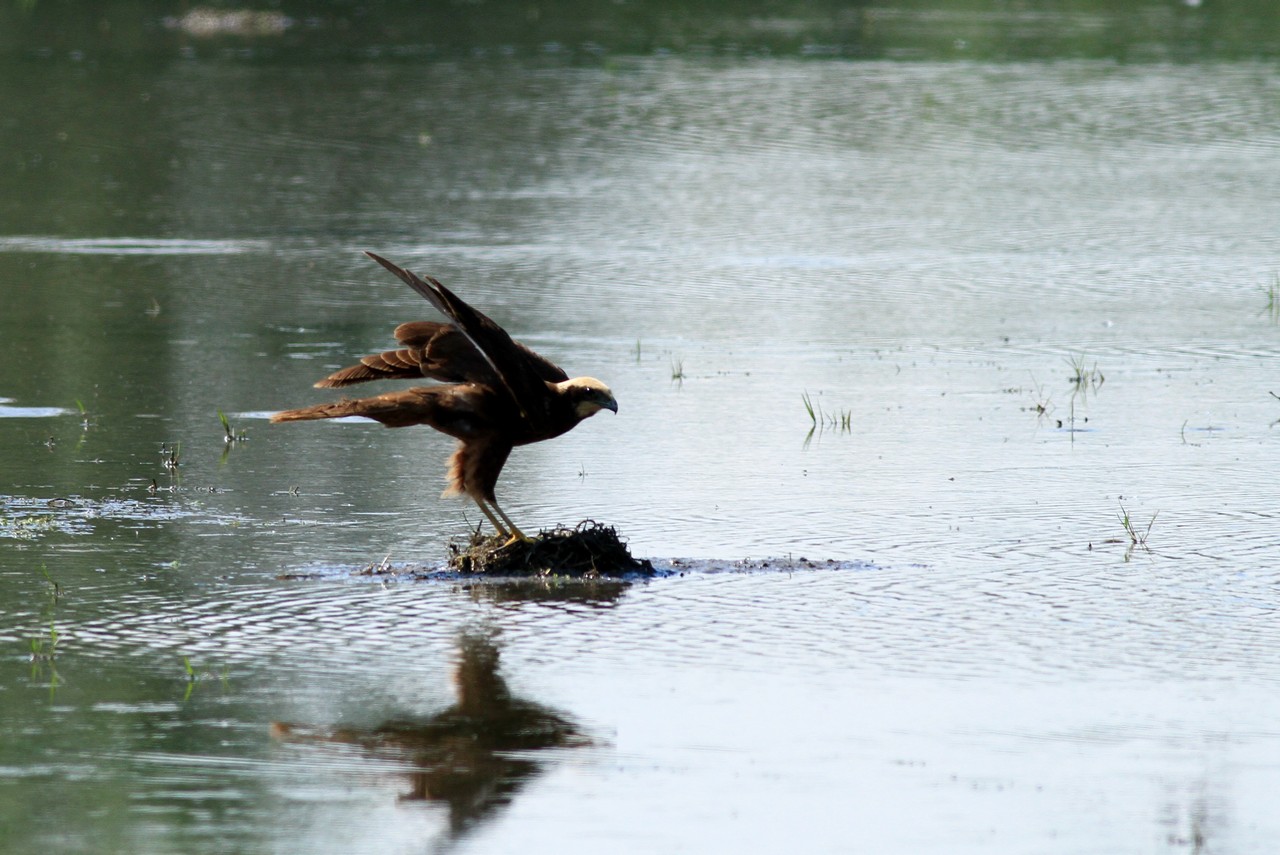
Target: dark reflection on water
[593, 593]
[406, 31]
[474, 756]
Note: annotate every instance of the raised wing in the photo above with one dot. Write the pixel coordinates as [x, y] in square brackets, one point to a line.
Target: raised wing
[523, 373]
[431, 349]
[450, 352]
[435, 350]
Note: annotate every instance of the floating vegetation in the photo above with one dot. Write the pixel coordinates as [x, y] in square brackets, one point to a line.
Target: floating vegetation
[26, 518]
[380, 568]
[677, 370]
[212, 22]
[27, 527]
[588, 550]
[1273, 298]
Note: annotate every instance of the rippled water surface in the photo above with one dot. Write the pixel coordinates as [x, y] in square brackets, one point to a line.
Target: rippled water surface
[1023, 301]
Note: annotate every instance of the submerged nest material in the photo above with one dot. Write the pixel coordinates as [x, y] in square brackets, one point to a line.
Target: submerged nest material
[589, 550]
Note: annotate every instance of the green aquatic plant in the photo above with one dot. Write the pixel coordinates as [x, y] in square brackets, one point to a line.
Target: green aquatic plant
[44, 648]
[171, 458]
[1082, 376]
[1137, 537]
[55, 590]
[1273, 298]
[1084, 379]
[86, 421]
[43, 652]
[230, 435]
[821, 420]
[194, 677]
[1041, 404]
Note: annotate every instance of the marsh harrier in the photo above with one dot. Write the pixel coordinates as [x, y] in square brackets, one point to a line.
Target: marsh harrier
[495, 393]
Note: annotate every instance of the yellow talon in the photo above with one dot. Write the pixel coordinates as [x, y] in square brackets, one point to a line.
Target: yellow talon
[517, 536]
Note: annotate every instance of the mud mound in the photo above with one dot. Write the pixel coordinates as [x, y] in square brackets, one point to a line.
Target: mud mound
[589, 550]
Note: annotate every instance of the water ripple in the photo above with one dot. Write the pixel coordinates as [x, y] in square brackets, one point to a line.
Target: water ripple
[128, 246]
[1147, 619]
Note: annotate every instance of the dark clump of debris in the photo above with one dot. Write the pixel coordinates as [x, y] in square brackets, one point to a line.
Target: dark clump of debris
[589, 550]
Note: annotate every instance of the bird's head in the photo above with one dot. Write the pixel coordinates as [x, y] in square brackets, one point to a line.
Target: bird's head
[587, 395]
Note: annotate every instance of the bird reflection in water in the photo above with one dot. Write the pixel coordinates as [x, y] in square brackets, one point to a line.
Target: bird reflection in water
[474, 756]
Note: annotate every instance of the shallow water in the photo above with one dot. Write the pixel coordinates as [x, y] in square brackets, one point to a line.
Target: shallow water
[1042, 293]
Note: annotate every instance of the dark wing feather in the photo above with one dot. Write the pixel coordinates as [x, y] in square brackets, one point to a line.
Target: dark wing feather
[389, 365]
[418, 334]
[522, 372]
[431, 349]
[451, 356]
[444, 353]
[447, 346]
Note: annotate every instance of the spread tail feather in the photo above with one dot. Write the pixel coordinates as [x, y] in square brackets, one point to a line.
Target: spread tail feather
[334, 410]
[432, 405]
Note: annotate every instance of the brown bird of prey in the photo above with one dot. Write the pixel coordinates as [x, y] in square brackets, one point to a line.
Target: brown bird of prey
[497, 393]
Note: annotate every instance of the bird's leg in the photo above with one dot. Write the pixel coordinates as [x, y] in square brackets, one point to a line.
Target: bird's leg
[516, 533]
[488, 513]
